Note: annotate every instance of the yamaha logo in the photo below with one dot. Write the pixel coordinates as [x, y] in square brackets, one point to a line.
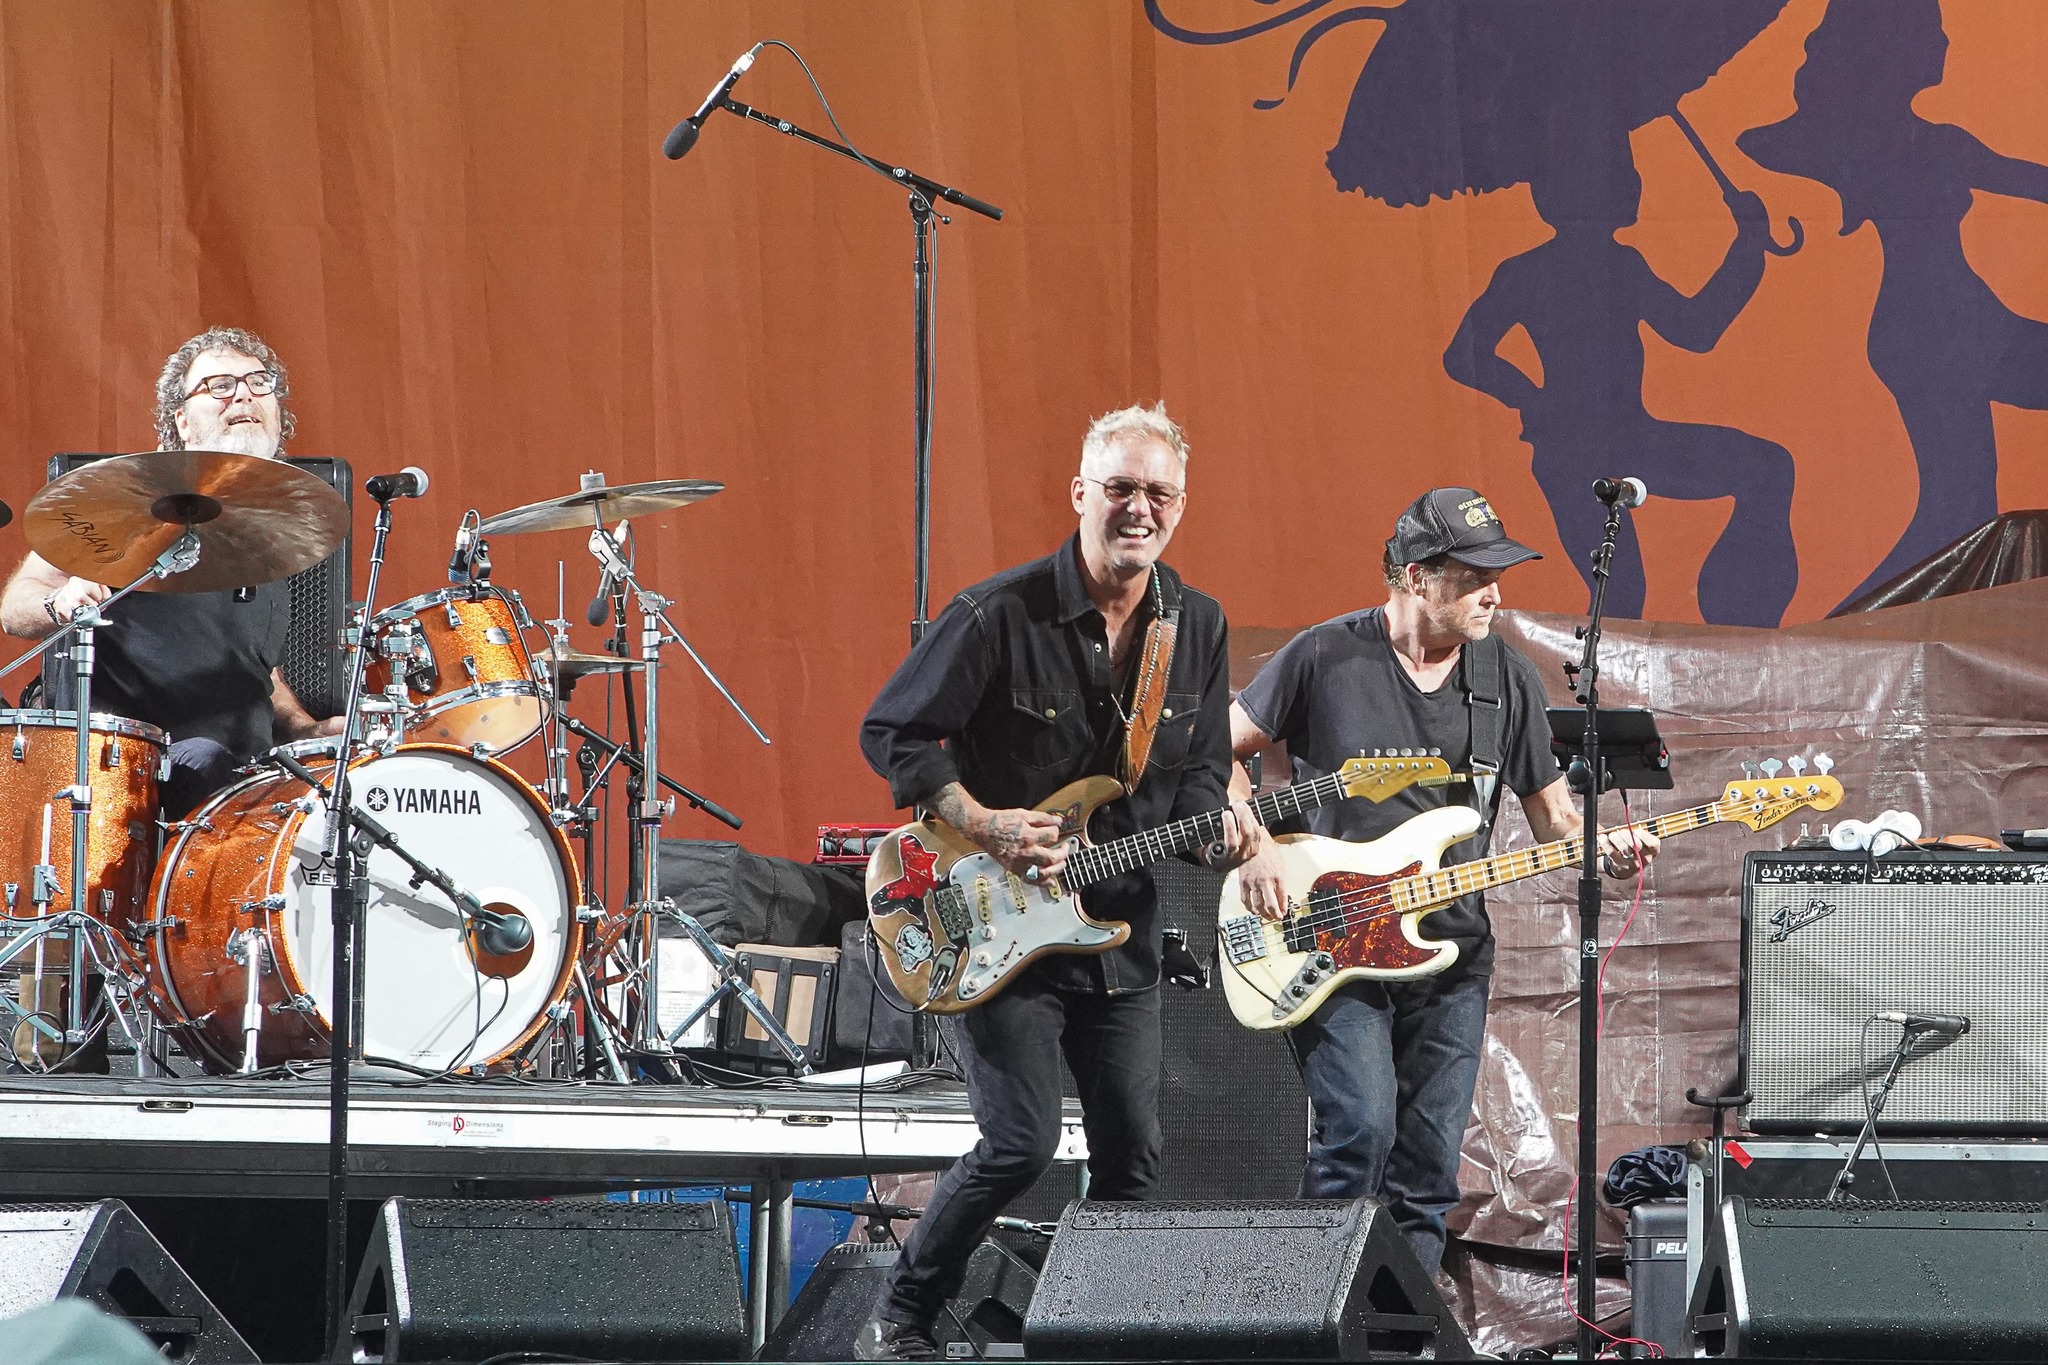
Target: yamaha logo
[425, 800]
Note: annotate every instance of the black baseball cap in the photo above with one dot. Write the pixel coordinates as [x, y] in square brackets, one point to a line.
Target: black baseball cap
[1457, 522]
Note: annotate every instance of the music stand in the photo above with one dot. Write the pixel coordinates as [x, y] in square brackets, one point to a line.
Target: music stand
[1632, 753]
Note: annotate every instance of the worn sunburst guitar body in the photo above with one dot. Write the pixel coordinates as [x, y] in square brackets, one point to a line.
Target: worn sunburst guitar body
[954, 927]
[1354, 910]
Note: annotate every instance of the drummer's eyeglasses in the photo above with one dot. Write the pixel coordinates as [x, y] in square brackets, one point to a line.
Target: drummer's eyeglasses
[1161, 495]
[223, 386]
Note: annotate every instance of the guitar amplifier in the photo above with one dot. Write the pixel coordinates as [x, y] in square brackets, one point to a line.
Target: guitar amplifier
[1831, 940]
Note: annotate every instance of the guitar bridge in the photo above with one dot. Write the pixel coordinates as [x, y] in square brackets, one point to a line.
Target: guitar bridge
[1242, 940]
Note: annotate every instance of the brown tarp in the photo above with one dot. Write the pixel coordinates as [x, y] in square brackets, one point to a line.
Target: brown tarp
[1939, 708]
[2010, 548]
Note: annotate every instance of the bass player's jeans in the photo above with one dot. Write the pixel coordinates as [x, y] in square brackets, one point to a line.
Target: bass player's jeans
[1390, 1069]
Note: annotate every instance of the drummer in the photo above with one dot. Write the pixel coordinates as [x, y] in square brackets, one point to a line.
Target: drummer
[205, 667]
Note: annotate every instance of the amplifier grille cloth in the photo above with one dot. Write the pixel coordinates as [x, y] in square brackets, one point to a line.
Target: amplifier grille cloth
[1858, 950]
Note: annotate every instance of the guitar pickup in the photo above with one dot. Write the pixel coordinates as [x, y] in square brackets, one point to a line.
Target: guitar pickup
[1243, 940]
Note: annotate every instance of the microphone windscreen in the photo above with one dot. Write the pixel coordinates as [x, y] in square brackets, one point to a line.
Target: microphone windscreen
[680, 139]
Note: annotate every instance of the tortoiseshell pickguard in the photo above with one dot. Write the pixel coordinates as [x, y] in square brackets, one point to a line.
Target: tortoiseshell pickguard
[1369, 932]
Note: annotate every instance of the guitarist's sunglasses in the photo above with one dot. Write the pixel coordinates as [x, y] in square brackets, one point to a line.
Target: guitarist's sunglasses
[1160, 495]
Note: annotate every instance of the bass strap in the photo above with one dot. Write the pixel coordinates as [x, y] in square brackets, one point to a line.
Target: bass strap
[1483, 689]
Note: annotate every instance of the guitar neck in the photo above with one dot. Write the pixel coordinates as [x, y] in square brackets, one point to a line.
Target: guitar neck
[1461, 879]
[1099, 862]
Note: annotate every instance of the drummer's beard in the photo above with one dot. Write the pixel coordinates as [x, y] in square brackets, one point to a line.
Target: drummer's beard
[234, 438]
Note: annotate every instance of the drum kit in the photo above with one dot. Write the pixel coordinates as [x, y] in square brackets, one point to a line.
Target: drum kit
[474, 944]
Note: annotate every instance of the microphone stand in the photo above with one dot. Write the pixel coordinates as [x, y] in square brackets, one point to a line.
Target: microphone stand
[1585, 777]
[346, 907]
[924, 221]
[632, 761]
[1838, 1192]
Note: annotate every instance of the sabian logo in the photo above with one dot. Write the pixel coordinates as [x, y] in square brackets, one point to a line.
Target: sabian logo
[1788, 921]
[102, 549]
[425, 800]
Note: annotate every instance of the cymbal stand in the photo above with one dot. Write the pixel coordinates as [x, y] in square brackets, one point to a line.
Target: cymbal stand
[75, 924]
[657, 630]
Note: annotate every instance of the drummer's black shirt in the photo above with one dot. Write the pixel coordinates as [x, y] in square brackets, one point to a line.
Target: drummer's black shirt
[195, 664]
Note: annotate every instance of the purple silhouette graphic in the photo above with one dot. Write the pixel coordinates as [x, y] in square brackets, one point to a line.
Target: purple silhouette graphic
[1581, 296]
[1479, 95]
[1939, 339]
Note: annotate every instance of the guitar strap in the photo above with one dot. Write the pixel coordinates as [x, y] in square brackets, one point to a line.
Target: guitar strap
[1483, 700]
[1148, 698]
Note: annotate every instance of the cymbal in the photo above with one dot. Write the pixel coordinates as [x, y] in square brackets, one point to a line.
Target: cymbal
[257, 520]
[584, 509]
[572, 663]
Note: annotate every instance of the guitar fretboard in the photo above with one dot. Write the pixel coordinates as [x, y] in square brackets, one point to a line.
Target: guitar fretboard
[1099, 862]
[1447, 884]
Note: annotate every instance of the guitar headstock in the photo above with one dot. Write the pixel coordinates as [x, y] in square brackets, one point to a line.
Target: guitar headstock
[1379, 777]
[1763, 798]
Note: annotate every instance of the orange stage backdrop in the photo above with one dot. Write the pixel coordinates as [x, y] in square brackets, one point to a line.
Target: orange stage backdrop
[454, 222]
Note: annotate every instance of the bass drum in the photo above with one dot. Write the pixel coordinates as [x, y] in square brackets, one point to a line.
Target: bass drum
[251, 861]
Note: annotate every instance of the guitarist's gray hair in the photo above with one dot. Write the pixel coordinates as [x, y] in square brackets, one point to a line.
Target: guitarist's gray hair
[1132, 424]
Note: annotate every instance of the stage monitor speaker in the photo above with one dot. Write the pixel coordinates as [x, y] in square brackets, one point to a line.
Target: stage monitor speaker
[1787, 1279]
[839, 1298]
[460, 1280]
[102, 1253]
[1314, 1279]
[313, 661]
[1830, 940]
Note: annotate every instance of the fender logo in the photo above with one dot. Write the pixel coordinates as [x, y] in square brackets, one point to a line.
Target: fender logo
[1788, 921]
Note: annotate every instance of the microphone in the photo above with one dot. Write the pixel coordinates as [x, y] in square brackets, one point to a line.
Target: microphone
[1627, 492]
[600, 609]
[1949, 1024]
[409, 482]
[684, 135]
[500, 933]
[462, 564]
[6, 514]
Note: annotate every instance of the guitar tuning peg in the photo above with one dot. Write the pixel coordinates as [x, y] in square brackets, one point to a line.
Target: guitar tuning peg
[1770, 767]
[1797, 765]
[1749, 770]
[1822, 764]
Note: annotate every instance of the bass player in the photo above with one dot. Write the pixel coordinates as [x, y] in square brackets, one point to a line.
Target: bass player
[1390, 1066]
[1025, 683]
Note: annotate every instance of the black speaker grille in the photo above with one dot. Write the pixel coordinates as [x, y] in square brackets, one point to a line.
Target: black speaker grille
[313, 659]
[1831, 940]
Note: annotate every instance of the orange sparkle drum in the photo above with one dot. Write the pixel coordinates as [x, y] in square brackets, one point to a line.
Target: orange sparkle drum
[253, 859]
[38, 763]
[460, 655]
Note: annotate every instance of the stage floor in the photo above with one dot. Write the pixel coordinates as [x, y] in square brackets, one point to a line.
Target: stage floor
[92, 1137]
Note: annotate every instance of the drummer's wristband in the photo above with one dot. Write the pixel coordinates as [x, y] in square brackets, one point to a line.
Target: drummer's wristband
[50, 609]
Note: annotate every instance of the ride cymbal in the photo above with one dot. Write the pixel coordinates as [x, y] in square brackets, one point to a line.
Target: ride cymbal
[256, 520]
[572, 663]
[581, 510]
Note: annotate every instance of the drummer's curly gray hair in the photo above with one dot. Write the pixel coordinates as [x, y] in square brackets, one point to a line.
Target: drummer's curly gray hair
[171, 385]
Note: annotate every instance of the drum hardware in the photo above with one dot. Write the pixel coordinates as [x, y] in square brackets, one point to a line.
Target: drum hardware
[246, 948]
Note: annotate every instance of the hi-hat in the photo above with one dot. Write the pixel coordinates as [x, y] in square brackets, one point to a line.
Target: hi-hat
[256, 520]
[581, 510]
[570, 663]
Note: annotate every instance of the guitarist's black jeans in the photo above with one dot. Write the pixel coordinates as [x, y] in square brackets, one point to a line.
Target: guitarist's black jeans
[1390, 1068]
[1010, 1051]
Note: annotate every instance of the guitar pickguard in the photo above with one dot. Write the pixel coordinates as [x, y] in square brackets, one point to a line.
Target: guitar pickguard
[1351, 917]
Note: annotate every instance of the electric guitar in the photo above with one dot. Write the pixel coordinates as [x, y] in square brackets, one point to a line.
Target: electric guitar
[954, 925]
[1354, 910]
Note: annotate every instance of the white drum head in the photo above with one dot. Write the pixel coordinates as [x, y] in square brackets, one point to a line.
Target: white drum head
[430, 1001]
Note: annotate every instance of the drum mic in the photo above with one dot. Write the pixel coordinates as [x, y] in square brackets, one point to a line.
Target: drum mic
[499, 933]
[599, 612]
[684, 135]
[462, 564]
[409, 482]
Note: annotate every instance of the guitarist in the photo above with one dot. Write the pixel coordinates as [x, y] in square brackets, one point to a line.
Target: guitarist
[1390, 1066]
[1025, 683]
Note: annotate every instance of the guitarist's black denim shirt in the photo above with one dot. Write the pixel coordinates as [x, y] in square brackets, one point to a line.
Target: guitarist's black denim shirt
[1009, 695]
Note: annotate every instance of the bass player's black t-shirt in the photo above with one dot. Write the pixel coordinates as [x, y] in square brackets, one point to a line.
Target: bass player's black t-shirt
[195, 664]
[1336, 690]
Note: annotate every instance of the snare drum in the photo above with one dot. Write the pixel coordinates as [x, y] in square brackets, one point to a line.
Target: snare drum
[252, 859]
[459, 654]
[38, 763]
